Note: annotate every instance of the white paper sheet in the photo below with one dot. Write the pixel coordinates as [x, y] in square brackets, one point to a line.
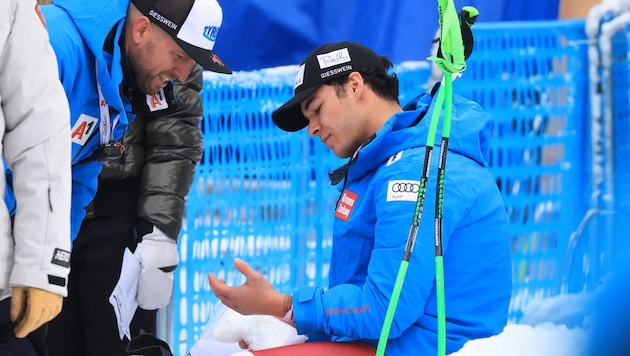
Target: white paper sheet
[123, 298]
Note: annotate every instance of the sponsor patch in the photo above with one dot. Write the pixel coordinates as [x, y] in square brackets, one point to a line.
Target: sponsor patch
[61, 258]
[346, 203]
[157, 101]
[210, 32]
[333, 58]
[394, 158]
[83, 128]
[299, 77]
[403, 190]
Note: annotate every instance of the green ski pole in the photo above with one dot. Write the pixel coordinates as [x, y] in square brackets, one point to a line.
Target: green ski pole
[451, 59]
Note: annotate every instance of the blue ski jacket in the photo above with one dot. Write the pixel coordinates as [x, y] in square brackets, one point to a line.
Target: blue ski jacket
[78, 32]
[372, 221]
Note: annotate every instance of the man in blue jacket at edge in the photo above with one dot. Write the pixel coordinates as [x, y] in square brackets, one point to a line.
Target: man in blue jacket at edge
[114, 57]
[345, 96]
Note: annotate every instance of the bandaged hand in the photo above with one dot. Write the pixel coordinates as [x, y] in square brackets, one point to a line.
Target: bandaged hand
[158, 258]
[230, 329]
[32, 307]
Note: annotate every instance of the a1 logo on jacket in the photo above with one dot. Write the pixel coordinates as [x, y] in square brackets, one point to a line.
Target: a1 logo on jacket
[157, 101]
[83, 128]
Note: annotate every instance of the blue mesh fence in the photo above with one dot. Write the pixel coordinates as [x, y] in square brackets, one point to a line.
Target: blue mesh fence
[531, 78]
[263, 195]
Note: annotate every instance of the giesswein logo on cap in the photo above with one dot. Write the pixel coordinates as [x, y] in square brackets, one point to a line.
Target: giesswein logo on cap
[333, 58]
[163, 19]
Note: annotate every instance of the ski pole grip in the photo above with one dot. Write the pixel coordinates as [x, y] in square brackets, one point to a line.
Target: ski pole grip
[469, 14]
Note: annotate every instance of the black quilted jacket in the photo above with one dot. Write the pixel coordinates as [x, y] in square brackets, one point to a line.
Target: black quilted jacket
[153, 177]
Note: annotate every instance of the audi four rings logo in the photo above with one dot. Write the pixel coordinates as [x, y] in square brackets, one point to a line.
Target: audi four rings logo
[406, 187]
[403, 190]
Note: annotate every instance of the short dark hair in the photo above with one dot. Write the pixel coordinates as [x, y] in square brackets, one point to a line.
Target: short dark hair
[383, 84]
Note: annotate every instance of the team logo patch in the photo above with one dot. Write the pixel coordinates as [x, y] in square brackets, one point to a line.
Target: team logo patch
[346, 203]
[157, 101]
[83, 128]
[61, 258]
[394, 158]
[403, 190]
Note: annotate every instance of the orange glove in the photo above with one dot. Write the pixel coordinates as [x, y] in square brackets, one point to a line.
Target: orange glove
[32, 307]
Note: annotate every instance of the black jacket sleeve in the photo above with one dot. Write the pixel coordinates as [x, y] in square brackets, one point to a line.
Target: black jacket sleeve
[173, 146]
[154, 176]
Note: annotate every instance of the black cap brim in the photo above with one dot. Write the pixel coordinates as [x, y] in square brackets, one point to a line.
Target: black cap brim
[289, 117]
[206, 58]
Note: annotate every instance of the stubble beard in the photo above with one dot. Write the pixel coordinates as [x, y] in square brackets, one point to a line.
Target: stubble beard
[142, 76]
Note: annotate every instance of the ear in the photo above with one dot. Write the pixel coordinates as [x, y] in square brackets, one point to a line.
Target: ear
[355, 80]
[140, 29]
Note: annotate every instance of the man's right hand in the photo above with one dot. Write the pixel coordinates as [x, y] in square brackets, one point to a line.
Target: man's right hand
[255, 296]
[32, 307]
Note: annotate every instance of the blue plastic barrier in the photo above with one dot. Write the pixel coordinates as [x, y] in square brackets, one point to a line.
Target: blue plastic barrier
[621, 131]
[263, 195]
[531, 77]
[601, 243]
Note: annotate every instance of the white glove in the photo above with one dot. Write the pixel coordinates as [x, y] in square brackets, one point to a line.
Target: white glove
[158, 258]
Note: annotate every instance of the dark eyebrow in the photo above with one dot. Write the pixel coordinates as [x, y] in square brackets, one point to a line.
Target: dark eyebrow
[309, 100]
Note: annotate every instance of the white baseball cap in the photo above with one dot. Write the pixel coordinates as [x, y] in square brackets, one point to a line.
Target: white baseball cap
[193, 24]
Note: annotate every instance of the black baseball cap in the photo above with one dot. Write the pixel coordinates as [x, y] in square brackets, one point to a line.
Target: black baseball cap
[193, 24]
[324, 64]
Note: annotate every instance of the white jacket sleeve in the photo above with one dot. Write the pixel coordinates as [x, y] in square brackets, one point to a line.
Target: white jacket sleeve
[34, 126]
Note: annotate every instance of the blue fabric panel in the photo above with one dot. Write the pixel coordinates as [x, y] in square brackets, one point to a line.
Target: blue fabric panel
[268, 33]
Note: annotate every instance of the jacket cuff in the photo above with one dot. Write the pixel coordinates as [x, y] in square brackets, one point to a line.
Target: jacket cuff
[307, 310]
[143, 227]
[26, 277]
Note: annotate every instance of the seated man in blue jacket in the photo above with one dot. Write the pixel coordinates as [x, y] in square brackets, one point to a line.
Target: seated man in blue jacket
[345, 96]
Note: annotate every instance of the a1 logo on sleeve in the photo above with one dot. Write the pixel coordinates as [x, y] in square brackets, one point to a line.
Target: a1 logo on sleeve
[346, 204]
[157, 101]
[83, 128]
[403, 190]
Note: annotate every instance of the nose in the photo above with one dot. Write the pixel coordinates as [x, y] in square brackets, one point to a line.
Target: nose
[313, 126]
[182, 70]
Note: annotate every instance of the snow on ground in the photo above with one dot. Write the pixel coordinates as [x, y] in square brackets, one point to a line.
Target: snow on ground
[526, 340]
[582, 324]
[555, 326]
